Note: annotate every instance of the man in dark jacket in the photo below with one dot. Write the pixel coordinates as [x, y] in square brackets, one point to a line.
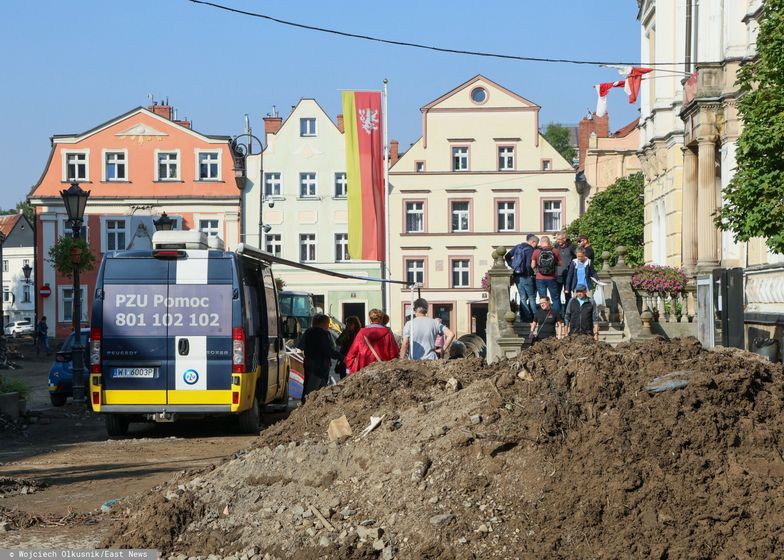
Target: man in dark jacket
[566, 249]
[319, 351]
[519, 259]
[582, 315]
[585, 243]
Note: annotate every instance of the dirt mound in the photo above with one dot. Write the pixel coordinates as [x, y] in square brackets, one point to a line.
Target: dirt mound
[12, 486]
[575, 449]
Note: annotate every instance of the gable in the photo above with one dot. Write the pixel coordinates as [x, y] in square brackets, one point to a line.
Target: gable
[496, 96]
[306, 107]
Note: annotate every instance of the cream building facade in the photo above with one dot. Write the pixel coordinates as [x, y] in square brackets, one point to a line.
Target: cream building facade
[296, 191]
[689, 128]
[481, 176]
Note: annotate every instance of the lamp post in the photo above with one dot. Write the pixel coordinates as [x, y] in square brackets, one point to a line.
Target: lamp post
[164, 223]
[75, 200]
[242, 147]
[27, 270]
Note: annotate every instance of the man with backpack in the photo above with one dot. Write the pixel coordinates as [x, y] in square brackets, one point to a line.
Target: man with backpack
[519, 259]
[545, 261]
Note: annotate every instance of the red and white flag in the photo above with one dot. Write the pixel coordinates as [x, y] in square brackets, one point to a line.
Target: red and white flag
[633, 80]
[602, 90]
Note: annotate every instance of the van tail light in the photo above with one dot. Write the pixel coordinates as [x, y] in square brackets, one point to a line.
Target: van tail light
[168, 254]
[238, 350]
[95, 350]
[96, 397]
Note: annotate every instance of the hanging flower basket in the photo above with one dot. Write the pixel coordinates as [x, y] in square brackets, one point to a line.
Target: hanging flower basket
[656, 279]
[486, 282]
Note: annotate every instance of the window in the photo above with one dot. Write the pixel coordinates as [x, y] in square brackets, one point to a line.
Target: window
[415, 217]
[461, 273]
[209, 166]
[460, 211]
[210, 227]
[415, 271]
[5, 265]
[272, 185]
[505, 158]
[273, 243]
[6, 296]
[419, 166]
[307, 247]
[115, 235]
[307, 185]
[506, 215]
[66, 304]
[341, 189]
[116, 166]
[460, 158]
[67, 229]
[479, 95]
[26, 293]
[76, 166]
[341, 247]
[547, 164]
[168, 166]
[307, 127]
[552, 215]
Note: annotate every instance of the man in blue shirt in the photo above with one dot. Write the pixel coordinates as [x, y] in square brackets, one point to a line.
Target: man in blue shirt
[519, 258]
[581, 271]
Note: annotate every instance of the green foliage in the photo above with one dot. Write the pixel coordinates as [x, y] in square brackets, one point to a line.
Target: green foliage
[60, 255]
[558, 136]
[15, 386]
[754, 199]
[615, 217]
[25, 207]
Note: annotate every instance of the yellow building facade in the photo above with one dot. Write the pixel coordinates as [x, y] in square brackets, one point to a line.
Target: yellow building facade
[480, 176]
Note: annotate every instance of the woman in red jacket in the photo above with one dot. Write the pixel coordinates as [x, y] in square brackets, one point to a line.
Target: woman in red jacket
[373, 343]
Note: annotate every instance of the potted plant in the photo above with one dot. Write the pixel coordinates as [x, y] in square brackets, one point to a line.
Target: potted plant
[655, 281]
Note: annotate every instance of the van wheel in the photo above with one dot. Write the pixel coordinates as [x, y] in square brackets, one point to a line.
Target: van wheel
[58, 400]
[250, 420]
[116, 425]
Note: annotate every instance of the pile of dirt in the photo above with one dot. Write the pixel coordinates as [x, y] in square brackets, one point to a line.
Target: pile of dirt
[568, 451]
[13, 486]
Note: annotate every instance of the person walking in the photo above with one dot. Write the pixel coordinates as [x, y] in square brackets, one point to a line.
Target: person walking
[319, 351]
[42, 337]
[420, 333]
[582, 314]
[566, 250]
[519, 259]
[345, 340]
[373, 343]
[585, 243]
[581, 271]
[547, 322]
[545, 261]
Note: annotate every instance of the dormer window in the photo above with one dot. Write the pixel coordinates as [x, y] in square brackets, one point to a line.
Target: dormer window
[76, 166]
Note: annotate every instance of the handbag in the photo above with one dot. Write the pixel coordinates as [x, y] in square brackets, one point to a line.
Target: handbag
[372, 349]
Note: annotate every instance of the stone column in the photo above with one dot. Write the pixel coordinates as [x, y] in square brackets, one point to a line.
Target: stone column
[689, 219]
[707, 247]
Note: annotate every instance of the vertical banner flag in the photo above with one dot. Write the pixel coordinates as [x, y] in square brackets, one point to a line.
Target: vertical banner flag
[364, 174]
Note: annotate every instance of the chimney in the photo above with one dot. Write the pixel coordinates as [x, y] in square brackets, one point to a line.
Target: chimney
[340, 124]
[272, 124]
[186, 123]
[393, 152]
[598, 125]
[164, 111]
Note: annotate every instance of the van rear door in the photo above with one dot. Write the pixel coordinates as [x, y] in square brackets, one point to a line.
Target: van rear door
[200, 308]
[134, 339]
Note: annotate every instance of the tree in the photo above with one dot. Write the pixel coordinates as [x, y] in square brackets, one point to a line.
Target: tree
[558, 136]
[25, 207]
[616, 216]
[754, 199]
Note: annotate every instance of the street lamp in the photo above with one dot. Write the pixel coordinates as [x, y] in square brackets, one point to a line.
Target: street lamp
[164, 223]
[27, 270]
[75, 200]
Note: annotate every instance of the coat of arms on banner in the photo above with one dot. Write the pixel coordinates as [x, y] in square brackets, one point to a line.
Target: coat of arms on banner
[369, 120]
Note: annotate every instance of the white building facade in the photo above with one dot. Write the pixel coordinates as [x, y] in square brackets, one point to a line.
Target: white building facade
[295, 207]
[18, 251]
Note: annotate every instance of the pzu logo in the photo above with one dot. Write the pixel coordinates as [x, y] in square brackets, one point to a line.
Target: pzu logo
[191, 377]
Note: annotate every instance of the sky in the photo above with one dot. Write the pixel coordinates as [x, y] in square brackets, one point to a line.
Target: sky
[68, 66]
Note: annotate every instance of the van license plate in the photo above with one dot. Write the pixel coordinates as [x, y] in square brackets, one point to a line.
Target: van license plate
[134, 372]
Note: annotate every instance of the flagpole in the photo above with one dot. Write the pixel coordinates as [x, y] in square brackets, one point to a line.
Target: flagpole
[385, 272]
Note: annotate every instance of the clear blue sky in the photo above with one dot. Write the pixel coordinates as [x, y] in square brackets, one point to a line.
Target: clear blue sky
[70, 65]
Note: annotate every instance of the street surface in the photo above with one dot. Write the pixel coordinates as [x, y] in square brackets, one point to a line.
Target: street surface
[67, 448]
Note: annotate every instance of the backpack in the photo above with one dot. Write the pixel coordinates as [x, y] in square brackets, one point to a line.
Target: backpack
[546, 263]
[520, 260]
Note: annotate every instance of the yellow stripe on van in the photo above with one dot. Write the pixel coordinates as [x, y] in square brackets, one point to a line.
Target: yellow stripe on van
[125, 396]
[221, 396]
